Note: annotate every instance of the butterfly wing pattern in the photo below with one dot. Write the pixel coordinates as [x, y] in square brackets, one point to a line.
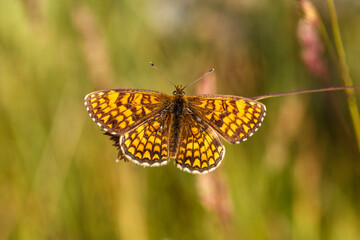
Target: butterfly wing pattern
[200, 149]
[234, 118]
[117, 111]
[149, 127]
[148, 144]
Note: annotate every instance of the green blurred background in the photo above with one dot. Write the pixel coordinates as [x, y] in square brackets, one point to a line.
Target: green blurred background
[298, 177]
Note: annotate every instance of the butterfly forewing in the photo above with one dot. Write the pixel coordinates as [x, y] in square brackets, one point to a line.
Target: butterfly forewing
[200, 149]
[117, 111]
[234, 118]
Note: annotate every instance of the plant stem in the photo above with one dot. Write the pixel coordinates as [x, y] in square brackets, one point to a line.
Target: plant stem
[345, 73]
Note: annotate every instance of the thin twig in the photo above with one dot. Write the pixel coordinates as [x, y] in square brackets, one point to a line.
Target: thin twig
[303, 91]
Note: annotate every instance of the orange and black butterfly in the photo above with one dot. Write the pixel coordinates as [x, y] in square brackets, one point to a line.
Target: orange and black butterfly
[150, 127]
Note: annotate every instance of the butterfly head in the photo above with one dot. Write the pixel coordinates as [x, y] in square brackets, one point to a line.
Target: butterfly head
[179, 90]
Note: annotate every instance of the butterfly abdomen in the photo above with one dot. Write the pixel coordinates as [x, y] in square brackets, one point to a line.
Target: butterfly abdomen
[177, 115]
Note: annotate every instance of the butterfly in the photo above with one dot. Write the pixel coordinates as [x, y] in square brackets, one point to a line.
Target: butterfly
[149, 128]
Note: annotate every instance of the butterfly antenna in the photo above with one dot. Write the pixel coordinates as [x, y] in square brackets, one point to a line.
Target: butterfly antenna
[153, 65]
[210, 71]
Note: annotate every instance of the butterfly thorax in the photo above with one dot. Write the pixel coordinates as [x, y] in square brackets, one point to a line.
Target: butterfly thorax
[178, 109]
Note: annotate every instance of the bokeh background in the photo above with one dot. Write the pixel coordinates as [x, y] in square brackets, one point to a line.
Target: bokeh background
[298, 177]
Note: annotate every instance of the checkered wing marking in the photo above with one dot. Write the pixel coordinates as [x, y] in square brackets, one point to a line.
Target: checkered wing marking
[234, 118]
[148, 143]
[117, 111]
[200, 149]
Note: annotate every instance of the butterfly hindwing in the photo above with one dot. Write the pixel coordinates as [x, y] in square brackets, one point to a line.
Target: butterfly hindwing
[234, 118]
[148, 143]
[200, 149]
